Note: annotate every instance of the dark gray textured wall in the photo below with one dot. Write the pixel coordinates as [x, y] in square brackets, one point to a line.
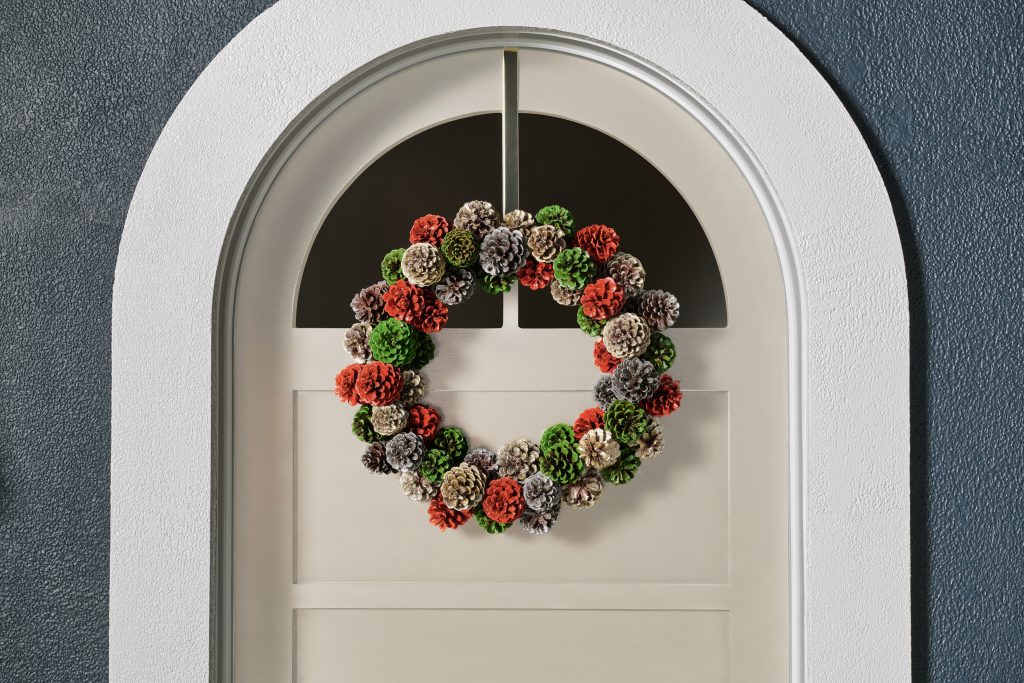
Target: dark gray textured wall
[936, 85]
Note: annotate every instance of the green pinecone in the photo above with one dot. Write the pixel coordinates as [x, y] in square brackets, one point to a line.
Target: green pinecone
[557, 433]
[488, 524]
[561, 463]
[391, 266]
[424, 351]
[661, 352]
[394, 342]
[434, 464]
[459, 248]
[494, 284]
[626, 421]
[588, 324]
[453, 442]
[557, 216]
[574, 268]
[362, 428]
[623, 470]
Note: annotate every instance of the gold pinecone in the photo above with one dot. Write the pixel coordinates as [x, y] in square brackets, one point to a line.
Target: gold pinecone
[545, 243]
[598, 449]
[626, 335]
[462, 487]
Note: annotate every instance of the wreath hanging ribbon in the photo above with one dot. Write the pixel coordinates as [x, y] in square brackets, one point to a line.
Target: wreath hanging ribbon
[524, 480]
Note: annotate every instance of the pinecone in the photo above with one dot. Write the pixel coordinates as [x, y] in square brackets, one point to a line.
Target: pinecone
[517, 219]
[357, 342]
[563, 296]
[452, 439]
[661, 351]
[495, 284]
[416, 487]
[455, 287]
[424, 350]
[598, 449]
[574, 268]
[602, 299]
[388, 420]
[443, 517]
[361, 427]
[634, 379]
[658, 308]
[557, 216]
[430, 228]
[394, 342]
[587, 324]
[626, 422]
[561, 463]
[378, 383]
[503, 500]
[476, 216]
[517, 459]
[652, 443]
[413, 387]
[459, 248]
[545, 242]
[604, 392]
[485, 460]
[391, 266]
[375, 459]
[434, 464]
[404, 451]
[489, 525]
[424, 421]
[623, 471]
[423, 264]
[539, 522]
[462, 487]
[591, 418]
[626, 336]
[540, 493]
[368, 303]
[628, 272]
[583, 493]
[502, 252]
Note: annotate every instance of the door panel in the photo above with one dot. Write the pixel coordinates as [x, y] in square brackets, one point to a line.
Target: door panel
[337, 576]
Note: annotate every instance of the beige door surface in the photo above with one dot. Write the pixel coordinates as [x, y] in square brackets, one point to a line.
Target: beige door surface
[680, 576]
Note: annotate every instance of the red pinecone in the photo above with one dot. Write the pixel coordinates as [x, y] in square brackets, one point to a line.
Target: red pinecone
[424, 420]
[433, 316]
[605, 361]
[600, 241]
[345, 384]
[602, 299]
[404, 301]
[591, 418]
[665, 400]
[378, 383]
[430, 228]
[503, 501]
[443, 517]
[535, 275]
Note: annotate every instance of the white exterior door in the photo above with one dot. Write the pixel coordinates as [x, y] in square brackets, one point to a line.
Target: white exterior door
[681, 575]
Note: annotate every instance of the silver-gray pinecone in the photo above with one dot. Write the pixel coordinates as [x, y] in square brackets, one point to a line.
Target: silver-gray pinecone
[484, 459]
[628, 273]
[413, 387]
[545, 242]
[476, 216]
[456, 286]
[626, 335]
[357, 342]
[416, 487]
[539, 522]
[368, 303]
[540, 493]
[604, 393]
[502, 252]
[404, 451]
[635, 379]
[658, 308]
[563, 296]
[462, 487]
[518, 459]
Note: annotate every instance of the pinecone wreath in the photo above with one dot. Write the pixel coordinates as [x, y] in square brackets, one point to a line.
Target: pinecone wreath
[570, 464]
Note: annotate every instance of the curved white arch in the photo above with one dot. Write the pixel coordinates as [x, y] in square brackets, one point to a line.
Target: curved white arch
[837, 240]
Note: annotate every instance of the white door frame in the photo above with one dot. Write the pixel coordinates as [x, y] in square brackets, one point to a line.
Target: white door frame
[831, 221]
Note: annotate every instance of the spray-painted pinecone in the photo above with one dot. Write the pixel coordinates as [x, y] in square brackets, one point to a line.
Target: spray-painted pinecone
[368, 303]
[539, 522]
[388, 420]
[545, 242]
[628, 273]
[456, 286]
[652, 443]
[357, 342]
[423, 265]
[476, 216]
[583, 493]
[520, 220]
[404, 451]
[413, 387]
[564, 296]
[604, 392]
[518, 459]
[598, 449]
[540, 493]
[503, 252]
[635, 379]
[658, 308]
[416, 486]
[485, 460]
[375, 459]
[626, 335]
[462, 487]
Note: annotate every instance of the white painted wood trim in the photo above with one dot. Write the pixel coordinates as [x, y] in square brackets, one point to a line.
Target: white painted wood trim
[778, 118]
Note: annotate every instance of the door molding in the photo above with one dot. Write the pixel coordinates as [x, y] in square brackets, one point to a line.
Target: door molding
[729, 67]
